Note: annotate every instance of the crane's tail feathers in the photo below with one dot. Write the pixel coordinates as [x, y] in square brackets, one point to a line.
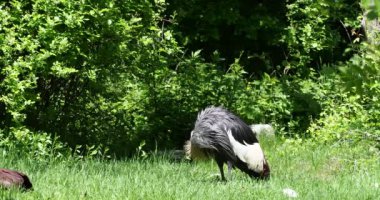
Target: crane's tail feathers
[194, 152]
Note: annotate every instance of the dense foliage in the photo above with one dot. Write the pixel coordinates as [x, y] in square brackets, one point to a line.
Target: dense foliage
[119, 76]
[272, 35]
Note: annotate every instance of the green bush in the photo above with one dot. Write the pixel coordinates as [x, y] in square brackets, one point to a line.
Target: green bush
[110, 76]
[319, 33]
[351, 107]
[39, 145]
[68, 68]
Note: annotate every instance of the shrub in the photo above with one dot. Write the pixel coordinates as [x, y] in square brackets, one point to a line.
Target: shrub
[69, 68]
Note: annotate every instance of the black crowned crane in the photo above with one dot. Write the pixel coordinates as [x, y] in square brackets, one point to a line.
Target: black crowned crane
[221, 135]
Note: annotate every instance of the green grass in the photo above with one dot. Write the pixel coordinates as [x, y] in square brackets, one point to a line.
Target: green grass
[315, 172]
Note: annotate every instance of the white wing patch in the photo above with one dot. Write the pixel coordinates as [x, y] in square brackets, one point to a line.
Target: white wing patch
[252, 155]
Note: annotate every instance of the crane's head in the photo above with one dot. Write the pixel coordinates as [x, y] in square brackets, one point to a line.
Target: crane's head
[265, 174]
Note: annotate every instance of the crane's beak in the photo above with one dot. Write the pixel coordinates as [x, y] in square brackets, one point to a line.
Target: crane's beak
[266, 171]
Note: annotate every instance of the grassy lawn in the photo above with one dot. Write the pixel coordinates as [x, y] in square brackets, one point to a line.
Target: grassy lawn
[314, 172]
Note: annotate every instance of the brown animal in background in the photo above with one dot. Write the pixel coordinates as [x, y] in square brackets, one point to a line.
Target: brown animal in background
[10, 178]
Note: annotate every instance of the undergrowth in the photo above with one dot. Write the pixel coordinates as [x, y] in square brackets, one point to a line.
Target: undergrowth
[334, 171]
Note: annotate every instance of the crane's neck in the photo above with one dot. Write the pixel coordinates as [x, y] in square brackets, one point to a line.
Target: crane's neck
[251, 154]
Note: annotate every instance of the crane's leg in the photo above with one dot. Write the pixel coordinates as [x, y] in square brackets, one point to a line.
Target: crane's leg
[229, 164]
[220, 165]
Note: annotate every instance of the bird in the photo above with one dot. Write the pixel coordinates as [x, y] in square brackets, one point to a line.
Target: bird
[223, 136]
[11, 178]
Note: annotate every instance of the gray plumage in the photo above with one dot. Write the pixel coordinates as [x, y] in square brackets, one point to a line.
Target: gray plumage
[209, 139]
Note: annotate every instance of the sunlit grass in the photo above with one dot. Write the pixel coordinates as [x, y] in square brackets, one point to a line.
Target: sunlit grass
[314, 172]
